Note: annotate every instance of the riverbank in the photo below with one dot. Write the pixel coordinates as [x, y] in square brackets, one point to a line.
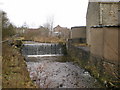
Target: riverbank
[14, 71]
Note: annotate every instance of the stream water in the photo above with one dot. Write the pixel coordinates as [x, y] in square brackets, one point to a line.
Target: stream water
[47, 72]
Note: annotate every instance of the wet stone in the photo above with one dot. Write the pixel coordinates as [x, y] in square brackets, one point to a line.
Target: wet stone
[56, 73]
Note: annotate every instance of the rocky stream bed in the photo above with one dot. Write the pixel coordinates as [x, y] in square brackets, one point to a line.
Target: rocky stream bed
[47, 72]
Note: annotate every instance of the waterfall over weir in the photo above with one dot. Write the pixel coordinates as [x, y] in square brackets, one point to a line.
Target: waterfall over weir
[42, 49]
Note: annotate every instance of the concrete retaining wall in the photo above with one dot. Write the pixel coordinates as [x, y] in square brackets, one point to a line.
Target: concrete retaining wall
[79, 54]
[78, 32]
[104, 43]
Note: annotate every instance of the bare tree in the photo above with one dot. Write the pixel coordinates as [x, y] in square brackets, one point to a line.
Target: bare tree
[49, 23]
[50, 20]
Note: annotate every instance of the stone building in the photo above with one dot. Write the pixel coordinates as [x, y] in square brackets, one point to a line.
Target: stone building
[101, 13]
[102, 37]
[61, 32]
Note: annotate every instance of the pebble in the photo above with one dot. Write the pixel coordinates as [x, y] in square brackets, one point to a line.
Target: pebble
[61, 75]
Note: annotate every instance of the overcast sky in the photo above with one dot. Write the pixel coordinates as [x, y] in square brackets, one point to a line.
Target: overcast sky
[66, 13]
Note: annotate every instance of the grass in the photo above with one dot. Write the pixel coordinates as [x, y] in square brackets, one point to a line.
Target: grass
[43, 39]
[48, 39]
[14, 71]
[80, 44]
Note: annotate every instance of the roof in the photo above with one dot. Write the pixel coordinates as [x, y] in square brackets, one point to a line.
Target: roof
[109, 1]
[101, 26]
[78, 27]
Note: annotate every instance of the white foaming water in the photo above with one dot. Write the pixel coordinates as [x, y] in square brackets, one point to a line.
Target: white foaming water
[44, 55]
[42, 44]
[42, 49]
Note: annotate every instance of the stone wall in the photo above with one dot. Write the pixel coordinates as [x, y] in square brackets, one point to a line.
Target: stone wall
[109, 13]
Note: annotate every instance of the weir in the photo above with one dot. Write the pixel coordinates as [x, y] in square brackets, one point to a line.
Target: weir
[42, 49]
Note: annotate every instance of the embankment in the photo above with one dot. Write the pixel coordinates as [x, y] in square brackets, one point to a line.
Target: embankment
[14, 71]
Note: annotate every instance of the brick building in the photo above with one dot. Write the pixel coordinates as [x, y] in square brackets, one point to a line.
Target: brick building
[61, 32]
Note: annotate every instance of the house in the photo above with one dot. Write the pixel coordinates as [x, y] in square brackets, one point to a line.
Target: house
[61, 32]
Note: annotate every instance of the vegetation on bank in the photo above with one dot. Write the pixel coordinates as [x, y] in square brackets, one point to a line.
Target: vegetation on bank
[8, 29]
[14, 69]
[34, 36]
